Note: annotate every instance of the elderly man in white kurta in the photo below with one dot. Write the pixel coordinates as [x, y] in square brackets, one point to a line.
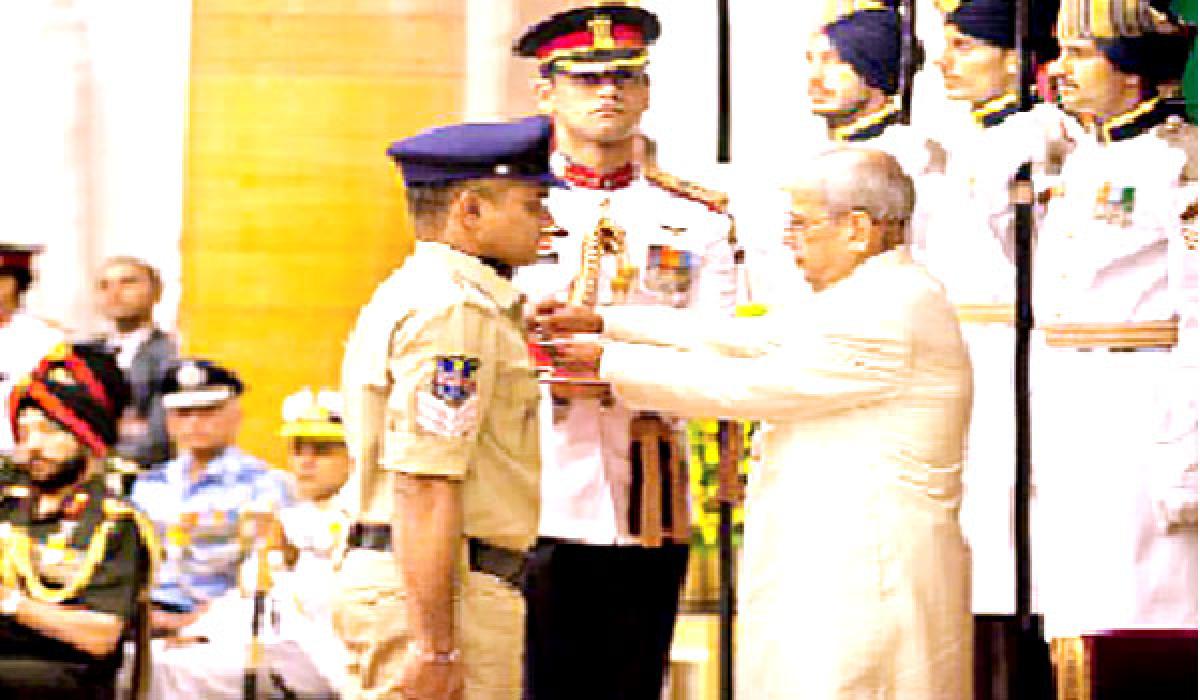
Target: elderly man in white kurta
[856, 577]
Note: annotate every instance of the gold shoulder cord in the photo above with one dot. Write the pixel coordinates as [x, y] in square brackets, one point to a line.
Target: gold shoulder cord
[16, 555]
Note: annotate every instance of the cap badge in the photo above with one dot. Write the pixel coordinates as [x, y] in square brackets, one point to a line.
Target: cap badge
[602, 36]
[60, 375]
[190, 376]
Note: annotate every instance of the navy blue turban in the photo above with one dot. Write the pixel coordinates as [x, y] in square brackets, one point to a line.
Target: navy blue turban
[1155, 57]
[870, 42]
[995, 21]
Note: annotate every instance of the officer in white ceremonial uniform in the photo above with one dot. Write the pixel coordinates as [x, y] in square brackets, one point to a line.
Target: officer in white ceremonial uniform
[606, 575]
[1116, 304]
[24, 339]
[855, 66]
[967, 245]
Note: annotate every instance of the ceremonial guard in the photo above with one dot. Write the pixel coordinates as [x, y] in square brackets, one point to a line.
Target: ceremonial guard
[606, 576]
[967, 245]
[441, 418]
[74, 556]
[856, 66]
[24, 338]
[856, 63]
[1114, 282]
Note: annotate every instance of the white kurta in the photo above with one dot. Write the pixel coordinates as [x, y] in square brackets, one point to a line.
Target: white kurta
[856, 579]
[968, 246]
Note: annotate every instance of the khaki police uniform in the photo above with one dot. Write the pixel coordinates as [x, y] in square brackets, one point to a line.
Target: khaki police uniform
[440, 305]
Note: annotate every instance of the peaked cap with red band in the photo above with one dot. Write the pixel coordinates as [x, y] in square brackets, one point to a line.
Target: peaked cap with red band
[18, 256]
[81, 388]
[594, 39]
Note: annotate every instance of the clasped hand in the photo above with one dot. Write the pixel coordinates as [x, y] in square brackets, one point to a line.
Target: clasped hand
[556, 326]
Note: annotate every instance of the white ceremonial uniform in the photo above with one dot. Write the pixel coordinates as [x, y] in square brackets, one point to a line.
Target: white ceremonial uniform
[1115, 478]
[855, 580]
[968, 246]
[24, 341]
[300, 647]
[585, 446]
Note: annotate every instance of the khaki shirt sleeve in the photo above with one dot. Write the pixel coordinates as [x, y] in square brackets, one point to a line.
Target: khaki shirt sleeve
[430, 432]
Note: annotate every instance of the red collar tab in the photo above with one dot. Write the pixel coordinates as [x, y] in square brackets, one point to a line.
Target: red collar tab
[587, 178]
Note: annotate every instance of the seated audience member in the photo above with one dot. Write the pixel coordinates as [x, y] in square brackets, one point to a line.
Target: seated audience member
[24, 338]
[300, 650]
[127, 290]
[196, 499]
[74, 554]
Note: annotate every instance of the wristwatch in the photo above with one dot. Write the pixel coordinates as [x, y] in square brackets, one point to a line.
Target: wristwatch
[10, 602]
[436, 657]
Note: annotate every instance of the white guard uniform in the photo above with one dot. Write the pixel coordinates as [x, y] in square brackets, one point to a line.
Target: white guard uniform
[585, 446]
[299, 643]
[1115, 472]
[968, 245]
[24, 341]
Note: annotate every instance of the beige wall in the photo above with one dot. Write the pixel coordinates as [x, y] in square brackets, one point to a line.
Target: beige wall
[291, 211]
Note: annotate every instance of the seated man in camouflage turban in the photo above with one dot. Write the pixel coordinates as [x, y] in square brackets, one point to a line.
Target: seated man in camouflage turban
[73, 555]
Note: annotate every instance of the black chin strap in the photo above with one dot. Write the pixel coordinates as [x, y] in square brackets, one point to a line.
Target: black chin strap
[503, 269]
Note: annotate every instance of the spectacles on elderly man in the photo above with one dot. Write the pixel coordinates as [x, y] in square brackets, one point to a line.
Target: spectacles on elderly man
[808, 228]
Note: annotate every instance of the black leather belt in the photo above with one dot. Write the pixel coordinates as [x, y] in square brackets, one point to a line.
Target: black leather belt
[501, 562]
[370, 536]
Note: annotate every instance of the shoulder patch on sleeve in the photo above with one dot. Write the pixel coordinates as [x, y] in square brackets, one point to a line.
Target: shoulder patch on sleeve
[449, 407]
[714, 200]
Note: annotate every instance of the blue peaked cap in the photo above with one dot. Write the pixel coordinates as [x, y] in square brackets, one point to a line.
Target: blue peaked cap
[517, 149]
[869, 40]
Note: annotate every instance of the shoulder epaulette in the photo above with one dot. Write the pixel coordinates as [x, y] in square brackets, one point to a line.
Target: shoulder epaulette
[17, 491]
[715, 201]
[473, 292]
[117, 508]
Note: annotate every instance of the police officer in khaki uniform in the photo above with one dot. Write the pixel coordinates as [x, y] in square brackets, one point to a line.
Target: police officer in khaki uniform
[442, 419]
